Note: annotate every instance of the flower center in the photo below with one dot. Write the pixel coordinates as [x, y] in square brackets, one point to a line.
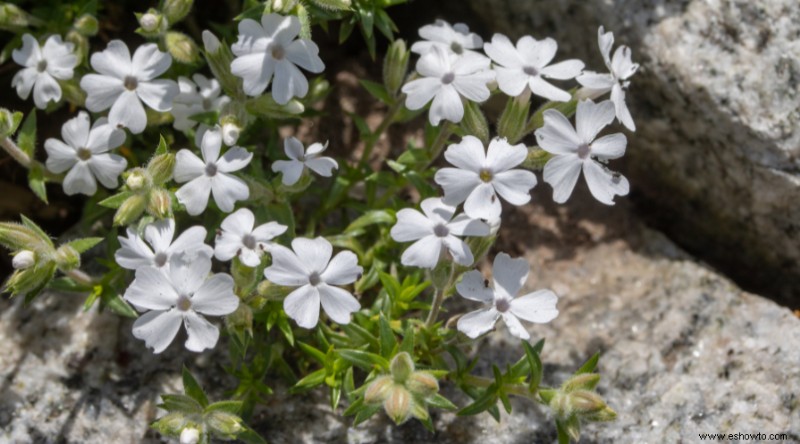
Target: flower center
[249, 241]
[486, 175]
[530, 70]
[207, 104]
[160, 259]
[584, 150]
[84, 154]
[502, 305]
[211, 169]
[41, 66]
[314, 279]
[184, 303]
[441, 230]
[130, 83]
[616, 178]
[457, 48]
[277, 51]
[448, 78]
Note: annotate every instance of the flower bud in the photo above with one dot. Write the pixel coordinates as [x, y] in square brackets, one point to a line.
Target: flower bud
[219, 59]
[71, 88]
[159, 203]
[474, 122]
[241, 320]
[190, 435]
[67, 258]
[395, 66]
[584, 402]
[401, 367]
[137, 179]
[584, 381]
[152, 23]
[161, 168]
[176, 10]
[170, 424]
[422, 384]
[7, 125]
[294, 107]
[441, 274]
[378, 390]
[537, 159]
[606, 414]
[224, 423]
[514, 120]
[86, 25]
[210, 41]
[23, 259]
[12, 17]
[182, 47]
[334, 4]
[30, 280]
[130, 210]
[230, 133]
[398, 404]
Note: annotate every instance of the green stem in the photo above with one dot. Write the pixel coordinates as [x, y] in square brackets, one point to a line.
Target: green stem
[441, 140]
[23, 159]
[80, 277]
[438, 300]
[388, 119]
[512, 389]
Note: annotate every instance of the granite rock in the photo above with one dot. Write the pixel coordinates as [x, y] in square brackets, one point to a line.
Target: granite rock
[717, 108]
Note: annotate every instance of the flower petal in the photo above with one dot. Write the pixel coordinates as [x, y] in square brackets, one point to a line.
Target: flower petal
[620, 108]
[474, 86]
[469, 154]
[456, 183]
[536, 53]
[148, 62]
[446, 105]
[539, 306]
[101, 91]
[557, 136]
[511, 81]
[423, 253]
[215, 297]
[202, 334]
[568, 69]
[29, 54]
[23, 81]
[227, 245]
[194, 195]
[240, 222]
[210, 145]
[509, 274]
[157, 328]
[114, 61]
[314, 253]
[291, 170]
[436, 210]
[503, 156]
[76, 130]
[343, 269]
[604, 184]
[514, 186]
[323, 166]
[464, 225]
[474, 287]
[592, 117]
[596, 81]
[478, 322]
[459, 250]
[255, 70]
[419, 92]
[128, 112]
[227, 190]
[503, 52]
[483, 203]
[337, 303]
[411, 225]
[611, 146]
[305, 54]
[191, 242]
[158, 94]
[268, 231]
[107, 168]
[542, 88]
[60, 156]
[515, 327]
[289, 82]
[104, 137]
[302, 305]
[187, 166]
[621, 64]
[45, 90]
[562, 173]
[80, 180]
[234, 159]
[159, 234]
[293, 148]
[151, 290]
[286, 268]
[133, 252]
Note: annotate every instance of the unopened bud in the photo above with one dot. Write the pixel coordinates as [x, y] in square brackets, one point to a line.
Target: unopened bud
[513, 122]
[190, 435]
[294, 107]
[219, 58]
[182, 47]
[152, 22]
[210, 42]
[395, 66]
[537, 159]
[7, 126]
[67, 258]
[86, 25]
[401, 367]
[474, 122]
[378, 390]
[170, 424]
[161, 168]
[24, 259]
[422, 384]
[584, 402]
[241, 320]
[159, 203]
[137, 179]
[29, 280]
[398, 404]
[584, 381]
[224, 423]
[176, 10]
[12, 17]
[230, 133]
[606, 414]
[334, 4]
[130, 210]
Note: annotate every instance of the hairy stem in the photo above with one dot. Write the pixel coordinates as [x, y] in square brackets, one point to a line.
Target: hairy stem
[438, 299]
[80, 277]
[23, 159]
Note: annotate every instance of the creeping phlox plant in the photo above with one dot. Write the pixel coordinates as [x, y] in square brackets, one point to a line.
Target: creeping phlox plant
[315, 269]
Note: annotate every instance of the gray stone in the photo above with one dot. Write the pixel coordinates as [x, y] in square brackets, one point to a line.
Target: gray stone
[717, 107]
[684, 351]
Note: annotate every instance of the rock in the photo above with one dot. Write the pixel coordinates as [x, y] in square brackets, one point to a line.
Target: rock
[715, 155]
[684, 351]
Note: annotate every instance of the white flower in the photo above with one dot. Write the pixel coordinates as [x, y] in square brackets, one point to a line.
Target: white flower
[300, 159]
[528, 64]
[433, 230]
[23, 259]
[509, 276]
[574, 150]
[480, 176]
[455, 39]
[190, 435]
[211, 175]
[182, 295]
[311, 268]
[125, 82]
[43, 65]
[445, 78]
[270, 48]
[230, 133]
[201, 96]
[85, 155]
[134, 253]
[620, 68]
[238, 238]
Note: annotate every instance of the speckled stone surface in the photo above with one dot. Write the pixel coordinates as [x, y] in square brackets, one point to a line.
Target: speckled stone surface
[684, 351]
[717, 108]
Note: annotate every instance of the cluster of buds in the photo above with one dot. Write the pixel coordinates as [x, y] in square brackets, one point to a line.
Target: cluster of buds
[404, 392]
[145, 191]
[575, 402]
[156, 24]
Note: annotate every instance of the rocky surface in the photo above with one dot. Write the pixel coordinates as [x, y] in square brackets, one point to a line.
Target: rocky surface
[684, 351]
[717, 107]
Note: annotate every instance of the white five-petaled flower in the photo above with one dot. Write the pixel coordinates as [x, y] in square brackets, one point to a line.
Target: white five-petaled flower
[480, 176]
[85, 155]
[124, 82]
[435, 230]
[574, 150]
[311, 268]
[238, 238]
[528, 65]
[620, 68]
[196, 97]
[455, 39]
[445, 78]
[181, 295]
[211, 175]
[271, 48]
[135, 253]
[509, 276]
[300, 159]
[43, 65]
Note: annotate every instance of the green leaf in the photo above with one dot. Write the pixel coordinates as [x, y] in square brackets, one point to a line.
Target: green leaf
[365, 413]
[355, 331]
[32, 225]
[26, 139]
[441, 402]
[286, 329]
[408, 340]
[312, 352]
[250, 436]
[590, 365]
[378, 91]
[180, 403]
[162, 146]
[67, 284]
[388, 339]
[116, 200]
[311, 380]
[482, 404]
[535, 365]
[85, 244]
[115, 303]
[371, 217]
[36, 181]
[193, 389]
[233, 407]
[365, 360]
